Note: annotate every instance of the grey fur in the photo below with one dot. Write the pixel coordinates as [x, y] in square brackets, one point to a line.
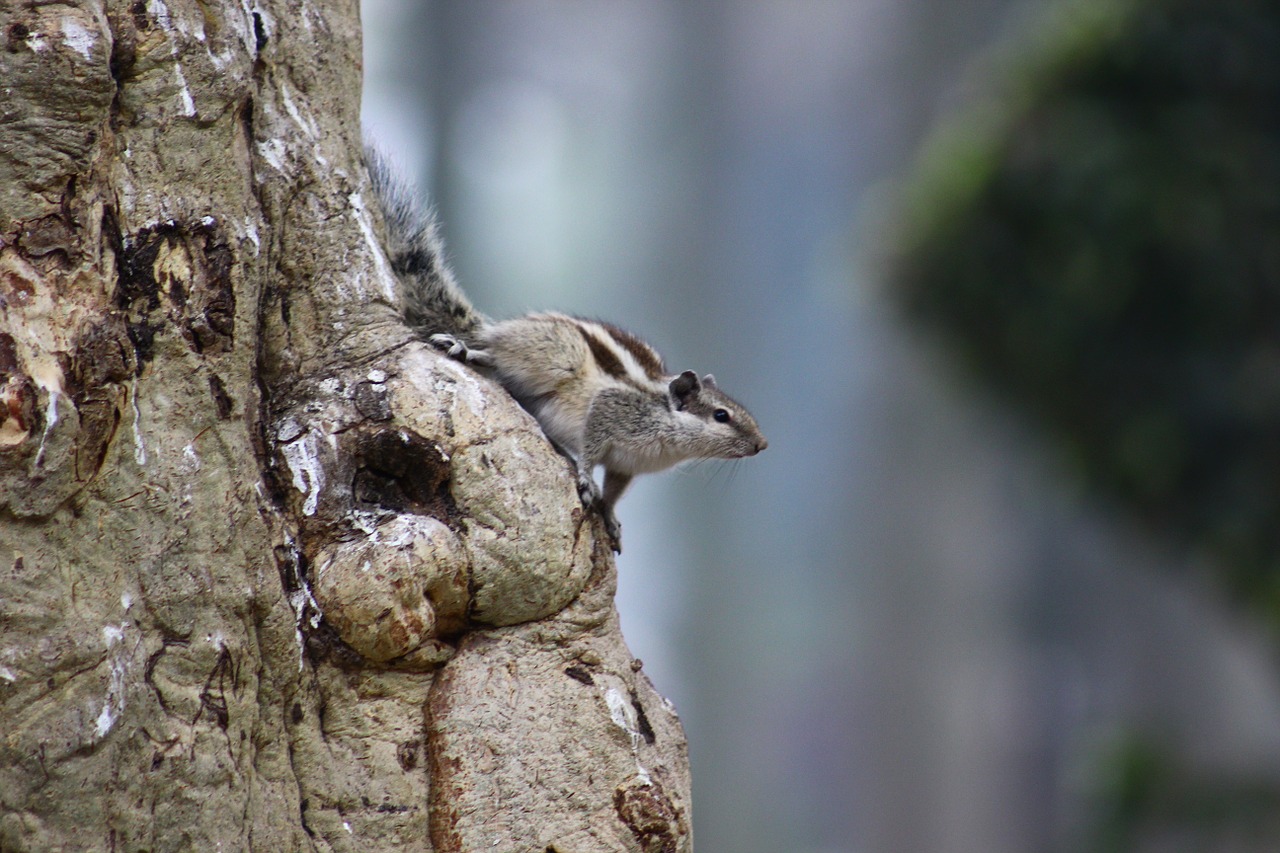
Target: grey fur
[433, 302]
[601, 395]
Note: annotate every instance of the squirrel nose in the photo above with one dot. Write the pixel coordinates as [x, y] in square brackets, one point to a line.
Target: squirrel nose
[761, 444]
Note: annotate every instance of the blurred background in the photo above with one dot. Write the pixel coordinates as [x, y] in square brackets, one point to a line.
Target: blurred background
[1001, 281]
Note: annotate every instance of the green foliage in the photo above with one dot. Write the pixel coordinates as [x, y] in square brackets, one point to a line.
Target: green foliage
[1149, 800]
[1104, 248]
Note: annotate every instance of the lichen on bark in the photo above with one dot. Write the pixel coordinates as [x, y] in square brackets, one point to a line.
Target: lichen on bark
[265, 558]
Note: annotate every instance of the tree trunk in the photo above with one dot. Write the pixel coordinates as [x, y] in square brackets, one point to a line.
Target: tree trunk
[273, 575]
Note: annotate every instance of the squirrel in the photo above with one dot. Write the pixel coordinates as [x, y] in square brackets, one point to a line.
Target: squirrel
[601, 395]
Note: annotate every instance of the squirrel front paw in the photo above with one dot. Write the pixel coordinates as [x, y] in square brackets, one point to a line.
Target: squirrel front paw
[455, 348]
[588, 491]
[591, 497]
[450, 345]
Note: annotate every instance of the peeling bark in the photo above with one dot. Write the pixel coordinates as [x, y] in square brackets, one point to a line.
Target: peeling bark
[273, 574]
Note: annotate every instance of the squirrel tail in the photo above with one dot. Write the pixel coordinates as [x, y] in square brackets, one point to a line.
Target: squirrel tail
[433, 302]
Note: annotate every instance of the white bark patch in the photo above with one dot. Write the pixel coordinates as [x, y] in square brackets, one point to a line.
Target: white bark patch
[303, 458]
[623, 715]
[300, 600]
[297, 602]
[307, 14]
[77, 37]
[462, 385]
[272, 150]
[251, 231]
[50, 420]
[385, 277]
[139, 447]
[184, 92]
[244, 27]
[305, 122]
[166, 19]
[190, 459]
[113, 705]
[37, 42]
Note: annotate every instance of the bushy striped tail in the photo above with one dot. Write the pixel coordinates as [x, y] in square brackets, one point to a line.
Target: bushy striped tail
[433, 302]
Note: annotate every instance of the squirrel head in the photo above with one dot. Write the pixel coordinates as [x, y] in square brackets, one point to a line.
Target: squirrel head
[727, 429]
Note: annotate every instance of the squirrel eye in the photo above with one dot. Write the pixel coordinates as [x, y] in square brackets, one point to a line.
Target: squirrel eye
[721, 416]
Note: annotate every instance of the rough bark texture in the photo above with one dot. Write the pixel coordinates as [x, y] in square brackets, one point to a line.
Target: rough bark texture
[273, 575]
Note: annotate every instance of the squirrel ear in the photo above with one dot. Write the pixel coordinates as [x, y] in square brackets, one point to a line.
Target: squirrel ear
[684, 386]
[709, 381]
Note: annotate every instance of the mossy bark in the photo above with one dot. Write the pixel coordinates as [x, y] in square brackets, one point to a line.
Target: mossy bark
[273, 575]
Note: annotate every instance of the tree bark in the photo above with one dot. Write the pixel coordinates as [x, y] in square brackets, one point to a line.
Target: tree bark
[273, 575]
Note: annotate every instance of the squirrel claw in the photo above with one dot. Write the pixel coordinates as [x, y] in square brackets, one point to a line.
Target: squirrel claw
[450, 346]
[612, 528]
[455, 348]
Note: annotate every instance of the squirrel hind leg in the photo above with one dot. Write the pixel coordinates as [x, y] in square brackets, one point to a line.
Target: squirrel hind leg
[454, 348]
